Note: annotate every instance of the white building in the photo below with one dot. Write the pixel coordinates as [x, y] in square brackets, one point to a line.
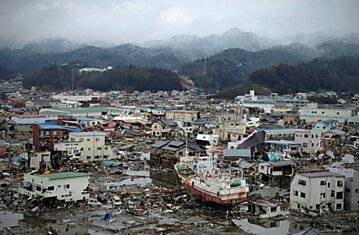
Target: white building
[65, 186]
[36, 158]
[317, 191]
[312, 113]
[310, 140]
[88, 146]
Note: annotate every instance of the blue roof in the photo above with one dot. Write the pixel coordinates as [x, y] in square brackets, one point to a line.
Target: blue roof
[78, 128]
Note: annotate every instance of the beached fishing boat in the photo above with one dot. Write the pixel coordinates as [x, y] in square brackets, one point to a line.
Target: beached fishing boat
[201, 177]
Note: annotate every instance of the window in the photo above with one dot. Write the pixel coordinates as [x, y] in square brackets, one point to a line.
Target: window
[50, 188]
[305, 145]
[88, 157]
[38, 188]
[339, 206]
[340, 183]
[295, 193]
[273, 209]
[306, 135]
[322, 195]
[302, 182]
[328, 184]
[356, 190]
[302, 195]
[339, 195]
[97, 157]
[99, 148]
[347, 190]
[66, 186]
[89, 149]
[332, 193]
[88, 140]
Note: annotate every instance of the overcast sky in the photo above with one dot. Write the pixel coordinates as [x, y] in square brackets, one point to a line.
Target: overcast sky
[120, 21]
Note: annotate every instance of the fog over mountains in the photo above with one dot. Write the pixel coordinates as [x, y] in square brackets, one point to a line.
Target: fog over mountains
[212, 62]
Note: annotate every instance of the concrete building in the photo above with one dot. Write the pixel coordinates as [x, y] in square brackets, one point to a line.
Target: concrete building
[351, 194]
[317, 191]
[310, 140]
[230, 126]
[312, 113]
[182, 114]
[326, 125]
[88, 146]
[65, 186]
[276, 173]
[23, 125]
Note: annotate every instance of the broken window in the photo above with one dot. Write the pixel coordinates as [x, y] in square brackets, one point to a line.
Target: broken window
[323, 182]
[339, 195]
[302, 182]
[66, 186]
[339, 206]
[302, 195]
[340, 183]
[295, 193]
[50, 188]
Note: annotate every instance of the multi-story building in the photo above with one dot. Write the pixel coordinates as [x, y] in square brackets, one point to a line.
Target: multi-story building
[44, 136]
[88, 146]
[351, 193]
[276, 173]
[182, 114]
[22, 125]
[317, 191]
[310, 140]
[312, 113]
[65, 186]
[229, 124]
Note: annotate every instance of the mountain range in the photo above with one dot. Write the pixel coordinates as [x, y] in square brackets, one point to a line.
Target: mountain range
[214, 62]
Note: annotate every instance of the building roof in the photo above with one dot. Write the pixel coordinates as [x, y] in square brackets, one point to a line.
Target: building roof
[281, 163]
[159, 144]
[60, 127]
[319, 173]
[353, 119]
[64, 175]
[309, 231]
[237, 153]
[32, 120]
[91, 133]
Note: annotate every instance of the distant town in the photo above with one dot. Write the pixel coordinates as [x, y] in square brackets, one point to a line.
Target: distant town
[167, 161]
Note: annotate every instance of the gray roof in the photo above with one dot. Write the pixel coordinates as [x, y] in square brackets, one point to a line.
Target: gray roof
[337, 132]
[252, 140]
[245, 165]
[309, 231]
[282, 163]
[319, 173]
[237, 153]
[169, 122]
[31, 121]
[176, 143]
[159, 144]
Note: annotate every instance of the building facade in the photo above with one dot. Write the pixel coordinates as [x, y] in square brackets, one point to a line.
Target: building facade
[65, 186]
[317, 191]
